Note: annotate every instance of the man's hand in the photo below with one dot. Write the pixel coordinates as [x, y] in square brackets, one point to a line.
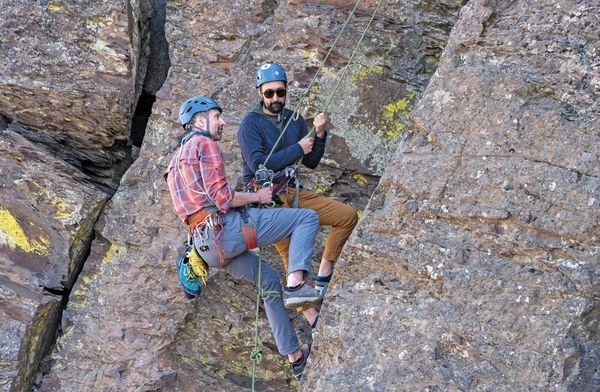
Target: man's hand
[307, 144]
[265, 195]
[320, 122]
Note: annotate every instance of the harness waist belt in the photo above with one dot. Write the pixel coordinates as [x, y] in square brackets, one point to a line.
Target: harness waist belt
[196, 218]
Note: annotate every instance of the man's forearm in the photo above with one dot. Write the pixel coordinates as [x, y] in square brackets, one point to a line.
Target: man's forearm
[244, 198]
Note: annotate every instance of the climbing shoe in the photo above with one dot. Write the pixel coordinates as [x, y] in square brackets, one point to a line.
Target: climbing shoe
[189, 280]
[297, 368]
[300, 296]
[322, 284]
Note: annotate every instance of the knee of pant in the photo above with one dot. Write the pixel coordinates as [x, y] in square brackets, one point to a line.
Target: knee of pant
[350, 216]
[354, 218]
[311, 217]
[270, 281]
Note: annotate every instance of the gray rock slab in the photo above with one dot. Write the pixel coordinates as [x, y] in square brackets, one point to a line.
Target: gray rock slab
[476, 263]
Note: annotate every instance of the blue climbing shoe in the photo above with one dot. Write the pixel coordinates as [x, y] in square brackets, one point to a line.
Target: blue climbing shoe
[189, 281]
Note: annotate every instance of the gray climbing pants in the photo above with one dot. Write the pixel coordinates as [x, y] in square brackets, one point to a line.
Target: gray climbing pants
[270, 226]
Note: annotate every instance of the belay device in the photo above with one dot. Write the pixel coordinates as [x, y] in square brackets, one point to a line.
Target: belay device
[263, 178]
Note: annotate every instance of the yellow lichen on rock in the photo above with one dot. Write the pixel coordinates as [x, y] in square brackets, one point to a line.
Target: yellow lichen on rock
[13, 236]
[399, 110]
[113, 251]
[360, 179]
[309, 54]
[391, 109]
[62, 211]
[365, 72]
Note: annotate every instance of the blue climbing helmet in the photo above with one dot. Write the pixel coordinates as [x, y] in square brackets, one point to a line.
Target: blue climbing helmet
[196, 105]
[270, 72]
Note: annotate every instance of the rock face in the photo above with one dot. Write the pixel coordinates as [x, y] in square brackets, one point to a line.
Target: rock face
[67, 72]
[47, 216]
[128, 325]
[66, 95]
[480, 247]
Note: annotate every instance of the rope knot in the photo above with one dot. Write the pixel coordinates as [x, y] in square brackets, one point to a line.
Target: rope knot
[256, 356]
[264, 293]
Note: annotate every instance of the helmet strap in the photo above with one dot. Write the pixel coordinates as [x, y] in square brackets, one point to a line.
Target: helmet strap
[207, 124]
[192, 130]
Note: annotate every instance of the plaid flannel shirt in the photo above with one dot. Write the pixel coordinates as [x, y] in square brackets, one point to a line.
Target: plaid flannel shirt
[196, 178]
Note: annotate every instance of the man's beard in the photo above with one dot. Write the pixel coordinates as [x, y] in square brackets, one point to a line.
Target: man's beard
[217, 135]
[275, 107]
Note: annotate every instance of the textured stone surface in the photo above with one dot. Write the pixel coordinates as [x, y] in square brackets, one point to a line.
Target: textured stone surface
[47, 213]
[128, 325]
[67, 88]
[480, 248]
[67, 69]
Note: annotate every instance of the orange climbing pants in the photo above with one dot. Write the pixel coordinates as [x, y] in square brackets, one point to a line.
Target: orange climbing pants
[341, 217]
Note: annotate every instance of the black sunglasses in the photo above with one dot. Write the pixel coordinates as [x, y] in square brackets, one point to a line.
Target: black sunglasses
[280, 93]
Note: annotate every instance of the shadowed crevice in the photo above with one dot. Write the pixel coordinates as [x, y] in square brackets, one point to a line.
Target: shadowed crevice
[156, 73]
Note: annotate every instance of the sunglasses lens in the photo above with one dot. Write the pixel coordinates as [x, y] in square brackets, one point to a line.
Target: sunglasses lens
[270, 93]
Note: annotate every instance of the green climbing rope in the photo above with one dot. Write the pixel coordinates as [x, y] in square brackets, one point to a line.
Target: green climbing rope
[347, 67]
[296, 112]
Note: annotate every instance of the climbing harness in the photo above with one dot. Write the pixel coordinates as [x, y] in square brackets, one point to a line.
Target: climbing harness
[203, 218]
[248, 229]
[214, 221]
[263, 178]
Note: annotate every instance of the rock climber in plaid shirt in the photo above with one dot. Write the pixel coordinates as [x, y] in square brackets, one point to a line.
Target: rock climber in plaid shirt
[225, 229]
